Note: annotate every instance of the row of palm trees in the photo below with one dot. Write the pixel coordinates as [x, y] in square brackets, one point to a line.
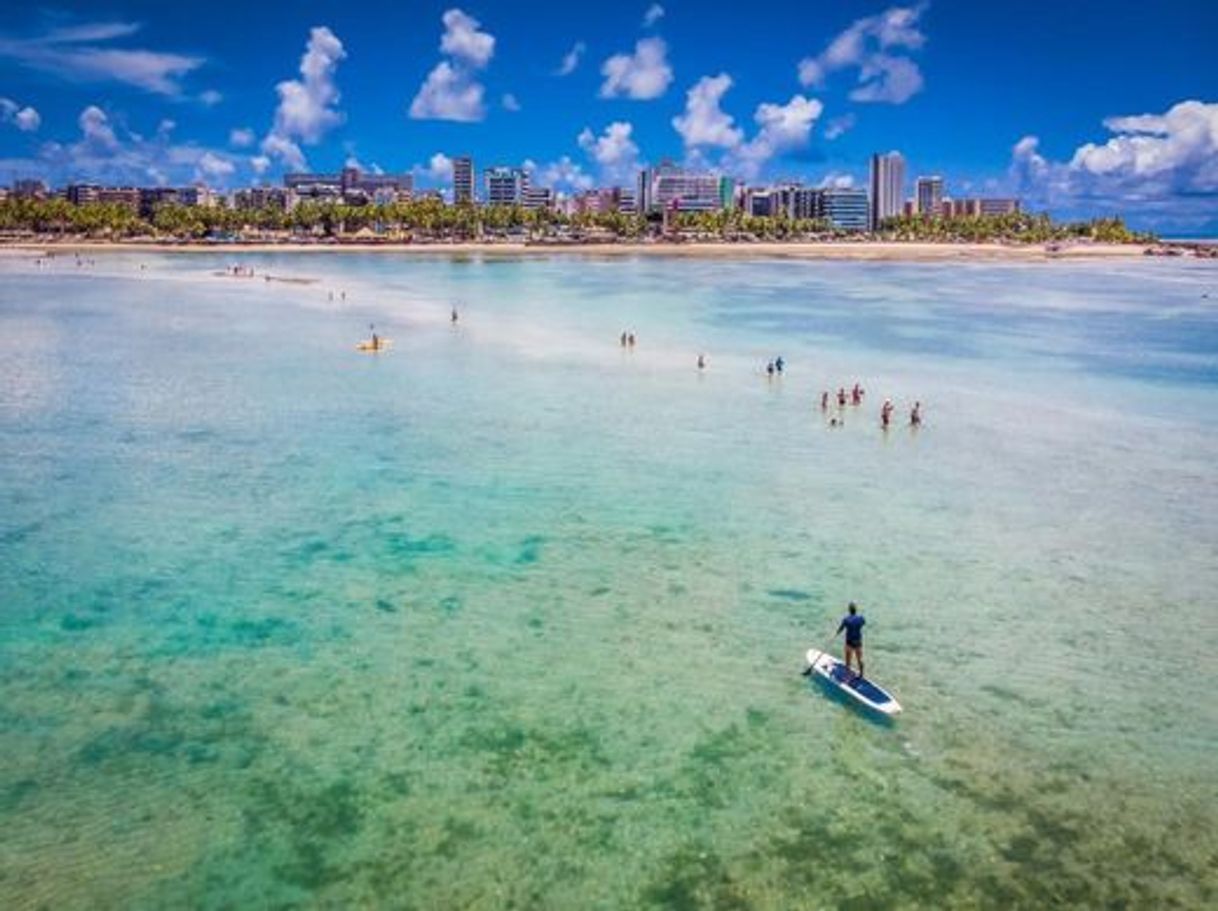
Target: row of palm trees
[1020, 227]
[431, 219]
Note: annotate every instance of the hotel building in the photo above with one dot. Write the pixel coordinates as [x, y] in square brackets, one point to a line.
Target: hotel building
[887, 187]
[463, 180]
[670, 187]
[928, 195]
[505, 186]
[845, 208]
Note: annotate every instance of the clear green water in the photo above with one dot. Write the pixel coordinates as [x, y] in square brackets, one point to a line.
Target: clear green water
[510, 618]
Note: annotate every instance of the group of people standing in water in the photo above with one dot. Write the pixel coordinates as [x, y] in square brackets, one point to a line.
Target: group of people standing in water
[628, 340]
[855, 398]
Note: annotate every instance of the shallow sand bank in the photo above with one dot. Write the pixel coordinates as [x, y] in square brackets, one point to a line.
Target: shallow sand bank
[856, 250]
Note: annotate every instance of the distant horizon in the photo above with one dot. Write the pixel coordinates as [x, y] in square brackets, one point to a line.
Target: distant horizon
[999, 99]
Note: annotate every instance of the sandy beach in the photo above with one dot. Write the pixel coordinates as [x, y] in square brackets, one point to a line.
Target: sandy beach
[844, 250]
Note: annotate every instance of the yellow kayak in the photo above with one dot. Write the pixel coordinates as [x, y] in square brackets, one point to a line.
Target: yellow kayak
[381, 345]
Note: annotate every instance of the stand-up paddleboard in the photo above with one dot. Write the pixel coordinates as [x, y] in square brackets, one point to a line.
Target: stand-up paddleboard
[862, 690]
[382, 344]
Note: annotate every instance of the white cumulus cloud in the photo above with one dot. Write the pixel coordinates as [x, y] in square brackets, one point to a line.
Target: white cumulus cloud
[107, 152]
[614, 151]
[438, 168]
[449, 93]
[704, 123]
[212, 166]
[654, 14]
[781, 128]
[836, 181]
[451, 90]
[1161, 167]
[241, 137]
[510, 102]
[868, 45]
[306, 110]
[95, 128]
[24, 118]
[563, 174]
[643, 75]
[838, 126]
[462, 39]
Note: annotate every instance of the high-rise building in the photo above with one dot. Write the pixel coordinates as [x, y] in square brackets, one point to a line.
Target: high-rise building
[81, 194]
[670, 187]
[29, 188]
[463, 180]
[805, 202]
[845, 208]
[929, 195]
[887, 187]
[505, 186]
[727, 192]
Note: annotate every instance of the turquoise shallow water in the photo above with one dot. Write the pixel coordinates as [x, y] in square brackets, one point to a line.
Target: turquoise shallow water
[509, 617]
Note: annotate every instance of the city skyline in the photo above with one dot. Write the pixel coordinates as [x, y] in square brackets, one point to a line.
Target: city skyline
[586, 97]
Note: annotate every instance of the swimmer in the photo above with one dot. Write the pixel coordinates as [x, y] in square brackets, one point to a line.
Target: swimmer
[824, 401]
[623, 339]
[779, 363]
[886, 414]
[454, 317]
[841, 397]
[769, 369]
[701, 361]
[915, 415]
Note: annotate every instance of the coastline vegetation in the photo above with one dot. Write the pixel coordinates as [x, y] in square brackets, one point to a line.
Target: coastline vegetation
[1019, 227]
[432, 220]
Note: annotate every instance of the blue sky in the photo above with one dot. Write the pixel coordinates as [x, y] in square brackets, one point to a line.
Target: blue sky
[1081, 108]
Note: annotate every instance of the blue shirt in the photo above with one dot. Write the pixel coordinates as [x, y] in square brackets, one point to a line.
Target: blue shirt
[853, 625]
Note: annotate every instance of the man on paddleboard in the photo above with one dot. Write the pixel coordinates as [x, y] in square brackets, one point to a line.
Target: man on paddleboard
[852, 623]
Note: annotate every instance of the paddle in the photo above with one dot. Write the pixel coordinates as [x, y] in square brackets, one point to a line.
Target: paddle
[808, 670]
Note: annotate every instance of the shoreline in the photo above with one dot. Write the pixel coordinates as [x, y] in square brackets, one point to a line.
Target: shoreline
[843, 250]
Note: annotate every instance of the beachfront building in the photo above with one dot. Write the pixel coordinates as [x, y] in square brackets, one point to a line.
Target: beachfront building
[669, 187]
[29, 188]
[928, 195]
[730, 191]
[976, 206]
[128, 197]
[197, 195]
[505, 186]
[805, 202]
[81, 194]
[844, 208]
[762, 202]
[604, 201]
[997, 205]
[265, 198]
[351, 186]
[887, 187]
[463, 180]
[151, 198]
[537, 197]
